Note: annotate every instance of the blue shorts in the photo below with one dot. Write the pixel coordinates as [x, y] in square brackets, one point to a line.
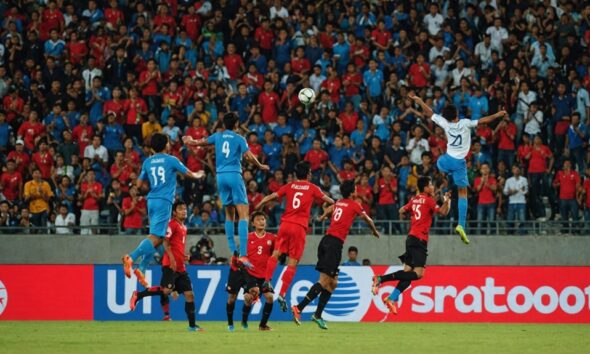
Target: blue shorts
[232, 190]
[454, 167]
[159, 214]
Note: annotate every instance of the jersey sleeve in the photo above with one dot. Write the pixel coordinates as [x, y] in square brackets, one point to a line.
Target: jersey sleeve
[243, 145]
[317, 192]
[212, 138]
[143, 174]
[179, 166]
[440, 121]
[435, 208]
[282, 191]
[468, 123]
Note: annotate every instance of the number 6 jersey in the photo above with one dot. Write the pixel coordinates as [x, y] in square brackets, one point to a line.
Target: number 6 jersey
[458, 135]
[300, 196]
[422, 207]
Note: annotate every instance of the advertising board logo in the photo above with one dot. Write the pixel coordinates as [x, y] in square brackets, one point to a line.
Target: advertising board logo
[3, 297]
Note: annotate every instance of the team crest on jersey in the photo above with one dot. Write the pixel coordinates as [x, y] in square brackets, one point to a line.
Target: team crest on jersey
[168, 232]
[269, 242]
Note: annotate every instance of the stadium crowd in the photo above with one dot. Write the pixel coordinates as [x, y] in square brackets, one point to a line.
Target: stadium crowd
[84, 84]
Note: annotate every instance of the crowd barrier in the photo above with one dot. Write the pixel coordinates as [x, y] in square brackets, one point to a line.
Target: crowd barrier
[446, 294]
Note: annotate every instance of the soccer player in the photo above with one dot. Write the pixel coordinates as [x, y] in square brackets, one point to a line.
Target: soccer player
[160, 171]
[260, 246]
[300, 196]
[422, 208]
[458, 133]
[330, 250]
[229, 149]
[174, 275]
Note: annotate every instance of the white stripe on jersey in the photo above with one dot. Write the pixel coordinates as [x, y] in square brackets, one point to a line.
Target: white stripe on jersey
[458, 135]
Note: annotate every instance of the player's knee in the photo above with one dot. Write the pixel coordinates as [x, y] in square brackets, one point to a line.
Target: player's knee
[254, 292]
[231, 298]
[419, 273]
[189, 296]
[268, 297]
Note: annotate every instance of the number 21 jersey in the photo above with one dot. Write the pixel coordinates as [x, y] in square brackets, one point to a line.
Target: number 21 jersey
[160, 171]
[458, 135]
[422, 207]
[300, 196]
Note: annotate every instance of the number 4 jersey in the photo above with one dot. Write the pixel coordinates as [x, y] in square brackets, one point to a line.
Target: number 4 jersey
[422, 207]
[345, 211]
[229, 148]
[300, 196]
[458, 135]
[160, 170]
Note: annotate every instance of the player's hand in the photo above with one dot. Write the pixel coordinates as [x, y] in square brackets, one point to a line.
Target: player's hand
[376, 234]
[187, 139]
[264, 168]
[200, 174]
[412, 96]
[447, 197]
[502, 113]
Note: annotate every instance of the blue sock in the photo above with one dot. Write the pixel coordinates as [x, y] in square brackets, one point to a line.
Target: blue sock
[243, 235]
[394, 296]
[229, 233]
[161, 250]
[145, 248]
[145, 262]
[462, 211]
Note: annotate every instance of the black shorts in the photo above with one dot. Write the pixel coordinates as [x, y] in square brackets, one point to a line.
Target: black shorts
[242, 279]
[179, 282]
[329, 255]
[416, 252]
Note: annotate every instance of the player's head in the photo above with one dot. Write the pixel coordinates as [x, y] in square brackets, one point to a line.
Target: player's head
[259, 220]
[425, 185]
[230, 121]
[179, 211]
[352, 253]
[450, 113]
[159, 142]
[347, 188]
[303, 170]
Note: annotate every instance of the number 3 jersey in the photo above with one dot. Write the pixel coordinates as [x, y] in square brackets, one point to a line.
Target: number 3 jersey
[458, 135]
[300, 196]
[259, 249]
[345, 211]
[160, 171]
[422, 207]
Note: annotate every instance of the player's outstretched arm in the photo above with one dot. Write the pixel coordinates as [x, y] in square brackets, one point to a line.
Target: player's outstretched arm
[327, 199]
[371, 224]
[446, 207]
[489, 119]
[266, 199]
[252, 159]
[427, 110]
[196, 175]
[327, 212]
[188, 140]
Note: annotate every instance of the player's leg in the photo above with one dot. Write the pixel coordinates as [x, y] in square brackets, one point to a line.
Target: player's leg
[230, 217]
[296, 246]
[235, 282]
[462, 206]
[165, 303]
[281, 246]
[183, 285]
[329, 283]
[249, 297]
[243, 211]
[266, 311]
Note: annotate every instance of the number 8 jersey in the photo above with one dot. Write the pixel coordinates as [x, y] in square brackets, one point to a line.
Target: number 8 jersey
[422, 207]
[458, 135]
[160, 170]
[345, 211]
[300, 196]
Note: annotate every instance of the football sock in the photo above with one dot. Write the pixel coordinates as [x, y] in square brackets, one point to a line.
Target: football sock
[243, 236]
[245, 313]
[287, 279]
[229, 308]
[229, 233]
[462, 211]
[315, 290]
[146, 260]
[386, 277]
[399, 289]
[324, 298]
[266, 313]
[165, 303]
[271, 265]
[151, 291]
[145, 248]
[189, 308]
[401, 275]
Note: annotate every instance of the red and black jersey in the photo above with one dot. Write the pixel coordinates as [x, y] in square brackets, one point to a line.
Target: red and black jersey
[176, 235]
[422, 207]
[345, 211]
[300, 197]
[259, 249]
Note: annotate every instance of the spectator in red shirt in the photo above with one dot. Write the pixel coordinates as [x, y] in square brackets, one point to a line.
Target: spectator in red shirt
[53, 18]
[191, 22]
[133, 209]
[349, 118]
[269, 105]
[364, 191]
[254, 145]
[13, 105]
[265, 38]
[121, 171]
[568, 182]
[31, 131]
[318, 159]
[299, 64]
[77, 49]
[540, 164]
[114, 16]
[380, 37]
[91, 194]
[149, 83]
[347, 173]
[233, 62]
[385, 188]
[352, 81]
[83, 133]
[585, 196]
[332, 85]
[419, 74]
[254, 195]
[485, 186]
[11, 182]
[20, 157]
[506, 133]
[43, 160]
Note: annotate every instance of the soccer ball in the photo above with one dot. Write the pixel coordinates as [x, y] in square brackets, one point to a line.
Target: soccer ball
[306, 96]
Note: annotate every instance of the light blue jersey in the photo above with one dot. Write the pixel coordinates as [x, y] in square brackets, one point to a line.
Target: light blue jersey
[160, 170]
[229, 148]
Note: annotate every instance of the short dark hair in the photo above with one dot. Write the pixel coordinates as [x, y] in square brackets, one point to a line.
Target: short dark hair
[302, 169]
[353, 248]
[257, 213]
[159, 142]
[423, 182]
[230, 120]
[450, 112]
[177, 204]
[347, 188]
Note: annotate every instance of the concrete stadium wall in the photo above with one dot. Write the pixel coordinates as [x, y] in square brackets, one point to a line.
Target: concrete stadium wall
[443, 250]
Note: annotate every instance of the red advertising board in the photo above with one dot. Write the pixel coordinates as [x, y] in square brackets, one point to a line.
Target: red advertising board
[51, 292]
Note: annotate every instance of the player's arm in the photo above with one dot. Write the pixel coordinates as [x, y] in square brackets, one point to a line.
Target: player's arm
[446, 207]
[268, 198]
[366, 218]
[188, 140]
[195, 175]
[168, 250]
[327, 212]
[327, 199]
[427, 110]
[250, 157]
[489, 119]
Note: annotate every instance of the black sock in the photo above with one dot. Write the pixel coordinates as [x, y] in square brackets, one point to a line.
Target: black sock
[386, 277]
[151, 291]
[324, 298]
[403, 285]
[315, 290]
[165, 302]
[266, 313]
[401, 275]
[229, 308]
[189, 308]
[245, 313]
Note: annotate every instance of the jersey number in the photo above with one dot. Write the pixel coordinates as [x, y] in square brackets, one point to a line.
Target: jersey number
[337, 214]
[225, 148]
[158, 172]
[417, 212]
[259, 250]
[457, 140]
[296, 200]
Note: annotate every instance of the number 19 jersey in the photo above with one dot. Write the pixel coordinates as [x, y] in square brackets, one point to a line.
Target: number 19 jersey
[458, 135]
[300, 196]
[422, 207]
[160, 171]
[229, 148]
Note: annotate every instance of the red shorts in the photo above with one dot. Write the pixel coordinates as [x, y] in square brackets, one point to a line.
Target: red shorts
[291, 240]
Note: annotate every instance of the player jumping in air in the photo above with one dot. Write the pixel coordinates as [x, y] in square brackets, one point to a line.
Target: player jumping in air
[300, 196]
[422, 208]
[330, 250]
[260, 246]
[174, 275]
[229, 149]
[458, 133]
[160, 171]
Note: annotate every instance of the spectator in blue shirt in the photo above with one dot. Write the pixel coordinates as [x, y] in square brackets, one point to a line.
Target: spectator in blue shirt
[373, 81]
[341, 51]
[357, 137]
[352, 256]
[272, 151]
[304, 136]
[257, 126]
[54, 46]
[563, 103]
[478, 104]
[5, 134]
[337, 154]
[241, 103]
[282, 128]
[113, 135]
[95, 98]
[575, 139]
[55, 123]
[258, 60]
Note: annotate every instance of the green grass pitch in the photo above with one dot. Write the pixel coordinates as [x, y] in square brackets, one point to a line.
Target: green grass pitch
[345, 338]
